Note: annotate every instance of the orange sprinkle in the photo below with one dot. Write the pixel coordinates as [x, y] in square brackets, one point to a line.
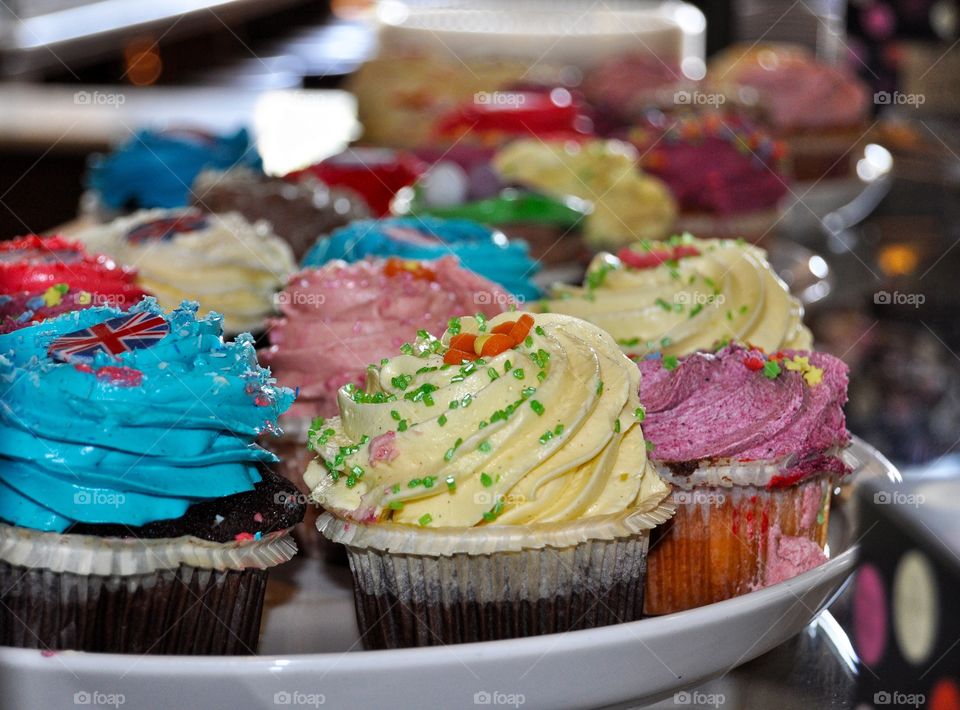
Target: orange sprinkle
[496, 344]
[503, 328]
[522, 328]
[457, 357]
[463, 341]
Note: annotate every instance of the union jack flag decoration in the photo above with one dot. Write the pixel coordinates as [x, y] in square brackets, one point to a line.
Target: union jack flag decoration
[133, 331]
[166, 228]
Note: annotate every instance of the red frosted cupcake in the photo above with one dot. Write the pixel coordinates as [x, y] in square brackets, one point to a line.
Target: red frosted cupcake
[41, 278]
[753, 446]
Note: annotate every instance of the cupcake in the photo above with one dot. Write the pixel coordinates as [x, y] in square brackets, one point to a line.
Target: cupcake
[684, 295]
[223, 261]
[133, 514]
[42, 278]
[726, 174]
[341, 317]
[157, 168]
[753, 445]
[624, 86]
[627, 204]
[491, 484]
[820, 110]
[299, 213]
[480, 249]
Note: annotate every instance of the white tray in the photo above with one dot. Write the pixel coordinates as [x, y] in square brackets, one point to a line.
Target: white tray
[312, 657]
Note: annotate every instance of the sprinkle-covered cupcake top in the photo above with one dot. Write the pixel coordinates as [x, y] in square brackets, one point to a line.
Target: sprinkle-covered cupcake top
[745, 405]
[339, 318]
[128, 417]
[714, 163]
[41, 278]
[480, 249]
[517, 419]
[228, 264]
[683, 295]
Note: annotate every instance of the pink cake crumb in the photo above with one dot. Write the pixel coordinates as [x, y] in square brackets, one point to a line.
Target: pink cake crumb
[788, 556]
[382, 448]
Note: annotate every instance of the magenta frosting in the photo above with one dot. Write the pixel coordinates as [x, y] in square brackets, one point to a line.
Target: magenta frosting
[711, 407]
[342, 317]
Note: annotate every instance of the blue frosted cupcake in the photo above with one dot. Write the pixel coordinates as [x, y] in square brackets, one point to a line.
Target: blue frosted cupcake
[131, 485]
[479, 248]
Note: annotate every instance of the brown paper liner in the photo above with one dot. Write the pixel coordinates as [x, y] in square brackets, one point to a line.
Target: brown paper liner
[187, 610]
[716, 546]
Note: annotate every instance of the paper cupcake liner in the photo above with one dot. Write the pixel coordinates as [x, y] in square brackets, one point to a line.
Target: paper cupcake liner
[171, 611]
[107, 557]
[726, 473]
[729, 540]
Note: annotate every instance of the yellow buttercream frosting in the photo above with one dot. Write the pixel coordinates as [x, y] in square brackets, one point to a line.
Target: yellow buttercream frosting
[727, 291]
[547, 431]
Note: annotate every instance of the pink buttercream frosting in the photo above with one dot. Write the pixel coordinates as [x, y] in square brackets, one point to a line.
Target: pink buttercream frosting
[729, 405]
[342, 317]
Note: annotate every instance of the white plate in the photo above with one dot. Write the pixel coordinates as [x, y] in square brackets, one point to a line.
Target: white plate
[311, 609]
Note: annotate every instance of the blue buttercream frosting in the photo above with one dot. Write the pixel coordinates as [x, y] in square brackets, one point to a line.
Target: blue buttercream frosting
[156, 169]
[133, 437]
[479, 248]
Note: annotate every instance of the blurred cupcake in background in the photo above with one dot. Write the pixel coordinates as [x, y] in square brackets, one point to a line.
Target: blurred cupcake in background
[224, 262]
[683, 295]
[480, 249]
[753, 445]
[43, 277]
[726, 173]
[624, 86]
[157, 168]
[627, 204]
[299, 213]
[819, 109]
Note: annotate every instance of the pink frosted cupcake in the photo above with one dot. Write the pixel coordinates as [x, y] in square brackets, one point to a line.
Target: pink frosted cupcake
[753, 445]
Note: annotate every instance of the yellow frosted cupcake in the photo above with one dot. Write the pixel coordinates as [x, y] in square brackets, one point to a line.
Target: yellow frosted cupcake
[494, 482]
[685, 295]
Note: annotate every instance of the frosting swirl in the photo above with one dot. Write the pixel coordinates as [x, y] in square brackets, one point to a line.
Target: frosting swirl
[542, 427]
[229, 265]
[684, 295]
[339, 318]
[742, 405]
[483, 250]
[153, 414]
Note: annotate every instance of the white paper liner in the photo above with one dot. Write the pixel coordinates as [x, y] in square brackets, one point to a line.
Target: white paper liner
[729, 473]
[488, 539]
[105, 556]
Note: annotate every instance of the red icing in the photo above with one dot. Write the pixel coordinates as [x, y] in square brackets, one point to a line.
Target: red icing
[120, 376]
[243, 537]
[383, 448]
[653, 258]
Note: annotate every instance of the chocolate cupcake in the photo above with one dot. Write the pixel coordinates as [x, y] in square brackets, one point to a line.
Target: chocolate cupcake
[491, 484]
[135, 516]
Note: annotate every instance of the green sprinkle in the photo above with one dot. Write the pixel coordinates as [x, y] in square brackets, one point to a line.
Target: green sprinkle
[414, 482]
[449, 455]
[670, 362]
[493, 374]
[383, 361]
[640, 414]
[771, 369]
[466, 400]
[401, 382]
[629, 342]
[351, 481]
[451, 484]
[599, 388]
[537, 407]
[519, 373]
[710, 282]
[402, 426]
[425, 519]
[422, 394]
[406, 349]
[423, 334]
[317, 423]
[357, 471]
[663, 304]
[485, 480]
[442, 421]
[395, 415]
[454, 404]
[650, 445]
[546, 436]
[453, 326]
[616, 426]
[729, 315]
[429, 481]
[528, 341]
[485, 447]
[395, 488]
[482, 322]
[528, 392]
[395, 505]
[744, 308]
[539, 330]
[542, 375]
[507, 366]
[665, 342]
[482, 425]
[558, 430]
[696, 309]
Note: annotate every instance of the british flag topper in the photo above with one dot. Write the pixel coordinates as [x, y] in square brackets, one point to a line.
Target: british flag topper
[166, 228]
[131, 331]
